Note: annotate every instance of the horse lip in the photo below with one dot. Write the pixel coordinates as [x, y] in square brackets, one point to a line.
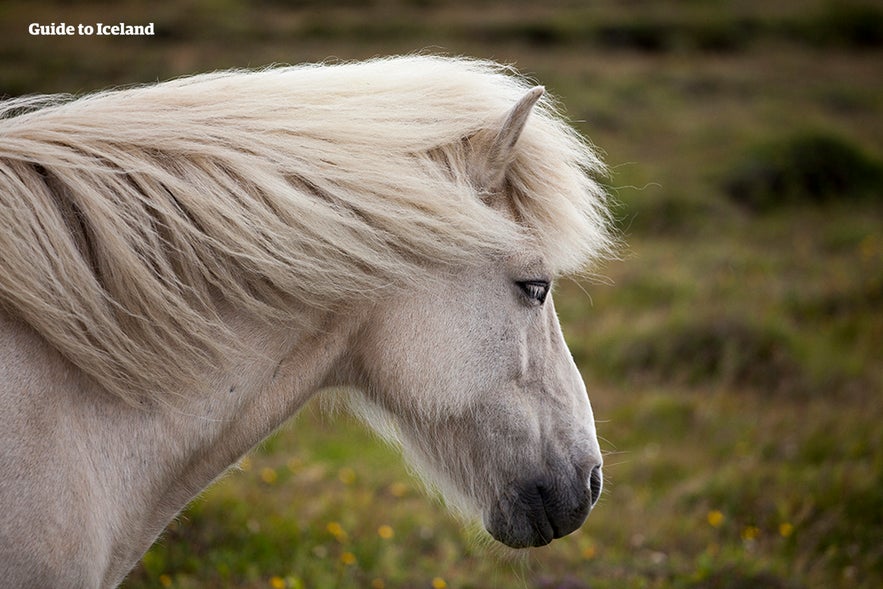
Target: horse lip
[535, 517]
[541, 536]
[558, 531]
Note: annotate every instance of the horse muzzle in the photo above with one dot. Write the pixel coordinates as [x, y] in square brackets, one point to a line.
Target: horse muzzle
[541, 509]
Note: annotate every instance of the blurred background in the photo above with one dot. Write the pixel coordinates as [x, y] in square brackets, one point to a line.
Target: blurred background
[732, 355]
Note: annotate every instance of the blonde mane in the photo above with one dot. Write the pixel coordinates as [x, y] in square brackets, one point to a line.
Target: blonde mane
[127, 215]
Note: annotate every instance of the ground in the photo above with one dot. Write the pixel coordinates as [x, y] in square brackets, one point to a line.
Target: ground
[731, 353]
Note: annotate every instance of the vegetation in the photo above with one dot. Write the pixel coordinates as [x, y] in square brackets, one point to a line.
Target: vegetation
[809, 167]
[732, 354]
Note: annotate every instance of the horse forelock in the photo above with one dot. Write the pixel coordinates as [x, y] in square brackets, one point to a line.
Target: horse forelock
[127, 213]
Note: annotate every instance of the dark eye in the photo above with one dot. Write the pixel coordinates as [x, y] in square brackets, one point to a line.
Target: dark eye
[535, 290]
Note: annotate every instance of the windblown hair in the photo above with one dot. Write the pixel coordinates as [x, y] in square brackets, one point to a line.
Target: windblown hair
[127, 215]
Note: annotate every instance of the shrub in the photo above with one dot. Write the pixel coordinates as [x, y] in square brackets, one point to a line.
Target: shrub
[808, 168]
[717, 351]
[841, 24]
[668, 214]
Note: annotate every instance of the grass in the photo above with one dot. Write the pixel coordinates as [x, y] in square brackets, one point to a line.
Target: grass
[732, 354]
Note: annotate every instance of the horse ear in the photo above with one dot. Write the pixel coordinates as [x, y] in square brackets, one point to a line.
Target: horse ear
[500, 153]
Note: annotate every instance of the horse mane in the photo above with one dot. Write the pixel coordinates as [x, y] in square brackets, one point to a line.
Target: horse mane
[128, 214]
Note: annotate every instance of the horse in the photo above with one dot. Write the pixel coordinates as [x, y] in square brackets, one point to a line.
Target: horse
[183, 265]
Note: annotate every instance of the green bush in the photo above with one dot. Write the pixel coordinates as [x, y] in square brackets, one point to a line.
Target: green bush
[713, 351]
[668, 214]
[841, 24]
[807, 168]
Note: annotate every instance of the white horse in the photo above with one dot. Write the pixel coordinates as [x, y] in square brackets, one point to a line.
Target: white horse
[184, 265]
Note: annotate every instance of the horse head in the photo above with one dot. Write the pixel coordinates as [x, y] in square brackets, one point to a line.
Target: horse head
[472, 377]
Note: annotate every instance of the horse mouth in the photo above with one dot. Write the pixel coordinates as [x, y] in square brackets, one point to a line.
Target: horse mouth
[536, 513]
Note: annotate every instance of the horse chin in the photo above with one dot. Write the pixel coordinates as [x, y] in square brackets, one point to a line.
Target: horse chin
[518, 534]
[535, 514]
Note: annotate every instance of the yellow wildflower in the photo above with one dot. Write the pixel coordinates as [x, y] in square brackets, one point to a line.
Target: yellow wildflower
[336, 530]
[398, 489]
[346, 475]
[386, 532]
[438, 583]
[715, 518]
[750, 532]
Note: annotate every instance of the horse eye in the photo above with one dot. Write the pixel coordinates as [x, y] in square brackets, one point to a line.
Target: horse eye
[535, 290]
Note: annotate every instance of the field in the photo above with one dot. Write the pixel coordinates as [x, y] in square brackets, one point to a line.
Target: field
[732, 353]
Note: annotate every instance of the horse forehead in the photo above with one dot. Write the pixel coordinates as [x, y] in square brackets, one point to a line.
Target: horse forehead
[531, 265]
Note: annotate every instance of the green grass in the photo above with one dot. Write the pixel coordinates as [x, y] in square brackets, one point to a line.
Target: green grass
[732, 353]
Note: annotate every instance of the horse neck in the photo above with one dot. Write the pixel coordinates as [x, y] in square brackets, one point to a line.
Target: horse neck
[182, 448]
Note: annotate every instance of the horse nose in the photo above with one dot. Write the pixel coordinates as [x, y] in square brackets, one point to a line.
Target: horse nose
[596, 482]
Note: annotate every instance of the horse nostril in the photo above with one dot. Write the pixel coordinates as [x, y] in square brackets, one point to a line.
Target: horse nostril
[595, 484]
